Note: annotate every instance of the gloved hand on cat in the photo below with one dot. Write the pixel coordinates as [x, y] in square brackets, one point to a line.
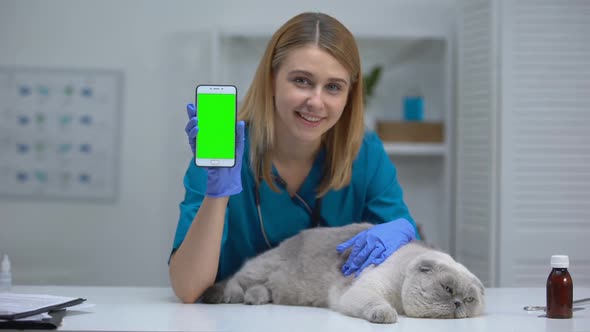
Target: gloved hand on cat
[221, 181]
[374, 245]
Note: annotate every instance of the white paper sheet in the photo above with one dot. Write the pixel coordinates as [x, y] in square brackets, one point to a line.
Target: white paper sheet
[12, 303]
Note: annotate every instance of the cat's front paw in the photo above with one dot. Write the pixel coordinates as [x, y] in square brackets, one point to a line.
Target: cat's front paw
[256, 295]
[213, 294]
[381, 313]
[233, 293]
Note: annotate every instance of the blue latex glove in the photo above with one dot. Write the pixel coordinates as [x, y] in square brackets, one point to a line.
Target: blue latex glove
[221, 181]
[374, 245]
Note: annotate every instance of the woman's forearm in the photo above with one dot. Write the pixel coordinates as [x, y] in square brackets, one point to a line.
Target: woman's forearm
[193, 267]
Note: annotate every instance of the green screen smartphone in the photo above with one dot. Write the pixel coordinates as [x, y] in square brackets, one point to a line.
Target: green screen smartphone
[217, 107]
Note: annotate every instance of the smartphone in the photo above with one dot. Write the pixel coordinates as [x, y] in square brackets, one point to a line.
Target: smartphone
[217, 107]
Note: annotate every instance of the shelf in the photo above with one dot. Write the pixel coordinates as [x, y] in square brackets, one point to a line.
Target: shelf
[415, 149]
[414, 59]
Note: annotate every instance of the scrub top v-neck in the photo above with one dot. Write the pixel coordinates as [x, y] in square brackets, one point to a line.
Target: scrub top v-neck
[374, 195]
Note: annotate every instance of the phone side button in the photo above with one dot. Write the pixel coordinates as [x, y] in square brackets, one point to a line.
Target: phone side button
[214, 162]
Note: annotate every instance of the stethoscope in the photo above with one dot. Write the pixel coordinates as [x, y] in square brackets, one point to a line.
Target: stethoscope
[316, 217]
[540, 307]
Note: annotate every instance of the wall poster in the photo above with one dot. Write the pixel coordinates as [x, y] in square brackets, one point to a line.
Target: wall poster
[59, 133]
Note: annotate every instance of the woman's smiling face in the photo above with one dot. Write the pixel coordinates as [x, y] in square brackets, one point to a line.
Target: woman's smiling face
[311, 90]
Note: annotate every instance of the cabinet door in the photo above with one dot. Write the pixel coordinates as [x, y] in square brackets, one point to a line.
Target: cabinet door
[545, 136]
[476, 131]
[523, 179]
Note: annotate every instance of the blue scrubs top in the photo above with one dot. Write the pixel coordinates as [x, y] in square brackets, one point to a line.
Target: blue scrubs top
[373, 195]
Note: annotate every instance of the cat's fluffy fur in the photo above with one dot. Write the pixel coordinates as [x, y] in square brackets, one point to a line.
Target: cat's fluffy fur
[305, 270]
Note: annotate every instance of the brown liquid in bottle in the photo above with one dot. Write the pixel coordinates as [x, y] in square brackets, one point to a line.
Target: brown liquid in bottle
[560, 289]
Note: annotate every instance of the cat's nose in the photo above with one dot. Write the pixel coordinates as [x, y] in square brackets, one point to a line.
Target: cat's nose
[457, 304]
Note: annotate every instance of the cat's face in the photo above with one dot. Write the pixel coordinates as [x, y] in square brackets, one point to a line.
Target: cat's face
[438, 289]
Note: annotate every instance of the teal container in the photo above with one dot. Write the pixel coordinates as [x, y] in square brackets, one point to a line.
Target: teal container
[413, 107]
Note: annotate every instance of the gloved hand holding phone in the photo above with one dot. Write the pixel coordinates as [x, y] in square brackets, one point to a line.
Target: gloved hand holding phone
[374, 245]
[221, 181]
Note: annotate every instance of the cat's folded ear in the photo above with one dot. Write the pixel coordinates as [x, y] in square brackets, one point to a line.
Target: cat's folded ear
[425, 265]
[480, 286]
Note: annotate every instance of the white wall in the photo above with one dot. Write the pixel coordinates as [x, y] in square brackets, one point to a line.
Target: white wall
[128, 242]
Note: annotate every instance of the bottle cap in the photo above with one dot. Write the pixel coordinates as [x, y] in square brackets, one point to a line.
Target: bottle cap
[560, 261]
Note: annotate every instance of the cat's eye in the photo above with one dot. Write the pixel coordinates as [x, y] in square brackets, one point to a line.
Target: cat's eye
[447, 288]
[468, 299]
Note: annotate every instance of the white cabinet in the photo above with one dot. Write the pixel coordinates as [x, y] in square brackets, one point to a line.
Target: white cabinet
[422, 62]
[523, 179]
[409, 61]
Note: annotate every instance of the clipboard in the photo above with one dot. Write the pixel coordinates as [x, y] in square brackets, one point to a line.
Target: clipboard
[46, 324]
[24, 314]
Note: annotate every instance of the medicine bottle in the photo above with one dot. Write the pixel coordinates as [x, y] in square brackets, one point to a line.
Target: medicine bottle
[5, 275]
[560, 288]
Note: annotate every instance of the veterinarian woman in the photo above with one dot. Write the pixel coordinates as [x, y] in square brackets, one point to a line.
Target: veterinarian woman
[304, 159]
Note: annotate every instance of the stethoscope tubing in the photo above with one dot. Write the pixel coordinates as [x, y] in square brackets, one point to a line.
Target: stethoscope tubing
[314, 214]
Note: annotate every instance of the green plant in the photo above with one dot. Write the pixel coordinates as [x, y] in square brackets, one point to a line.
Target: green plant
[370, 81]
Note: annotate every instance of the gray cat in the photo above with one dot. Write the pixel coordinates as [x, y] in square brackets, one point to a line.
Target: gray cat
[305, 270]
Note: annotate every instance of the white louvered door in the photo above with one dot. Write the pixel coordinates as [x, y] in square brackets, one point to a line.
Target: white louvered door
[475, 140]
[524, 139]
[545, 149]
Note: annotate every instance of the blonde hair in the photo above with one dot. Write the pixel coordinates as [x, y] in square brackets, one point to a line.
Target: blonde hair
[343, 141]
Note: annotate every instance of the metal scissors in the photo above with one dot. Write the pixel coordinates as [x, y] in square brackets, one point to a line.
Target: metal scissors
[541, 307]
